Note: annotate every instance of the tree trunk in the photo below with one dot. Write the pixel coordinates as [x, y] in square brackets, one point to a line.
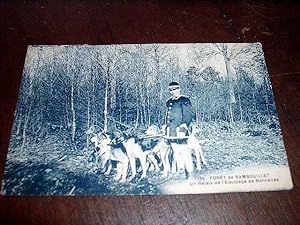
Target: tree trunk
[73, 133]
[88, 119]
[94, 109]
[144, 104]
[105, 129]
[126, 116]
[30, 101]
[255, 108]
[105, 107]
[126, 111]
[232, 100]
[19, 119]
[24, 133]
[137, 116]
[112, 92]
[138, 111]
[120, 111]
[241, 110]
[148, 106]
[67, 119]
[267, 90]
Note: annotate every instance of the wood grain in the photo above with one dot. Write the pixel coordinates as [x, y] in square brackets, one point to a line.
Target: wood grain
[275, 25]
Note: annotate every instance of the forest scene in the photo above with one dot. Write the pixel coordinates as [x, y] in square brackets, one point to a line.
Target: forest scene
[68, 90]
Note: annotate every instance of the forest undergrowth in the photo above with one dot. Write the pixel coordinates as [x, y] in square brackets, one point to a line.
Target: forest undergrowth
[52, 166]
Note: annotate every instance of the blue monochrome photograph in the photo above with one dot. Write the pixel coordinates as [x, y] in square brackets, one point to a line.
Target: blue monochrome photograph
[145, 119]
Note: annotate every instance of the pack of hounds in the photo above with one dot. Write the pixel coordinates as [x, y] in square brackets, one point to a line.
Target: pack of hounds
[130, 152]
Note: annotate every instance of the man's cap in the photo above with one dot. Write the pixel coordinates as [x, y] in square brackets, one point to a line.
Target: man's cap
[173, 85]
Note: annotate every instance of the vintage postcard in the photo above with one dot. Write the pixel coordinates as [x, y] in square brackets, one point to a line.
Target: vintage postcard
[145, 119]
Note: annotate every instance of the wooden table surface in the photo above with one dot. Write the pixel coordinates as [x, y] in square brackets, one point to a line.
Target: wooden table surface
[275, 25]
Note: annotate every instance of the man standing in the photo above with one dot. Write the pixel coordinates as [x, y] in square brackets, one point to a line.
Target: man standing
[179, 118]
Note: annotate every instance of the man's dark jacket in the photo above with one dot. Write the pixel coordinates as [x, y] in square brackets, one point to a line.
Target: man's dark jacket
[179, 112]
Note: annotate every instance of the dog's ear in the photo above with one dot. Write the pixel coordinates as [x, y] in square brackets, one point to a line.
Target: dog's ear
[94, 139]
[116, 134]
[125, 132]
[91, 130]
[157, 130]
[129, 133]
[129, 130]
[136, 133]
[106, 135]
[99, 135]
